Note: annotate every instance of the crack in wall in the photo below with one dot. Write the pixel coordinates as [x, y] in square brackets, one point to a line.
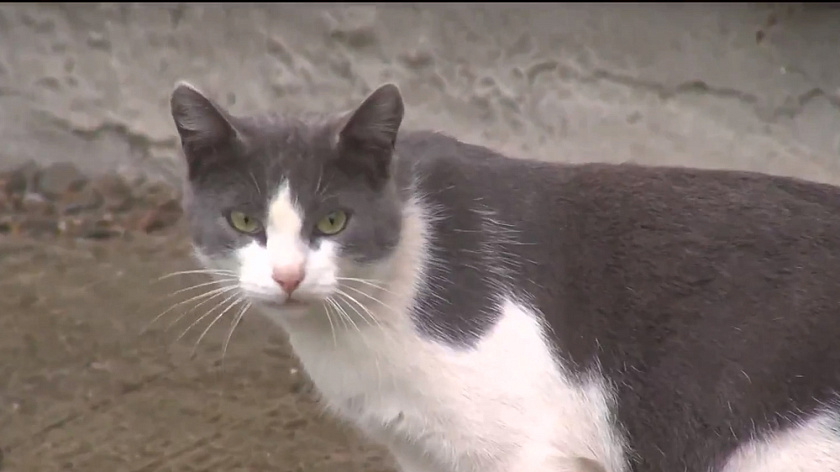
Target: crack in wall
[701, 87]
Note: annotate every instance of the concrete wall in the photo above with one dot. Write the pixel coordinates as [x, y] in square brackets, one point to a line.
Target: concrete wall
[650, 83]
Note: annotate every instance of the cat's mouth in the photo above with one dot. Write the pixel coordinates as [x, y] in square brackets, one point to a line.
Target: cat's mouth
[288, 303]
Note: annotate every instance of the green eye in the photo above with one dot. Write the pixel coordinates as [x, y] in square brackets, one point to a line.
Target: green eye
[332, 223]
[243, 223]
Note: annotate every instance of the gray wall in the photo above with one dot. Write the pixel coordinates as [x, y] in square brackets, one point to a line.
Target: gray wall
[650, 83]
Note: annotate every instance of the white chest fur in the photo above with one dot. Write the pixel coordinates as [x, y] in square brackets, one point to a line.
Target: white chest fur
[503, 406]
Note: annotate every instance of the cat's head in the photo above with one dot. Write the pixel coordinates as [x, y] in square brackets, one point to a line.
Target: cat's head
[290, 208]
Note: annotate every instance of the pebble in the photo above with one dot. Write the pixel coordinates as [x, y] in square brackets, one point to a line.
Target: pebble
[115, 192]
[60, 200]
[87, 198]
[60, 178]
[19, 180]
[37, 226]
[159, 217]
[7, 205]
[36, 204]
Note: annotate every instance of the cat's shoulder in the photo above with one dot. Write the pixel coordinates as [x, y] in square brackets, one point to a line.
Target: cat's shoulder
[442, 156]
[440, 153]
[437, 145]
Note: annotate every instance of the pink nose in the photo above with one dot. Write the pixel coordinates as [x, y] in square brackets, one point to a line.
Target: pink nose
[288, 278]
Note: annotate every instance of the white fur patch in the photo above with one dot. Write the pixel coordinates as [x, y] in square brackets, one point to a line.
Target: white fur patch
[811, 446]
[285, 249]
[504, 406]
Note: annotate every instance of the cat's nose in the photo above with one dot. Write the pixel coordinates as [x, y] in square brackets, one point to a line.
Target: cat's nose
[288, 278]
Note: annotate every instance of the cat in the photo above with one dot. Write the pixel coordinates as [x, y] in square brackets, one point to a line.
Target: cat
[476, 312]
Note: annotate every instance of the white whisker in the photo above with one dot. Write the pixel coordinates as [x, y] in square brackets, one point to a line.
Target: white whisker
[215, 320]
[205, 315]
[176, 305]
[371, 297]
[216, 293]
[367, 315]
[347, 316]
[256, 185]
[364, 340]
[329, 319]
[198, 271]
[204, 284]
[365, 282]
[233, 325]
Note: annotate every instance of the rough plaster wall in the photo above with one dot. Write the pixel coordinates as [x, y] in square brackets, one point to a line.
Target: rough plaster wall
[650, 83]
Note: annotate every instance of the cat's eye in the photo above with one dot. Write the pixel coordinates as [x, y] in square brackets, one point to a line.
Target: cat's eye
[243, 222]
[333, 223]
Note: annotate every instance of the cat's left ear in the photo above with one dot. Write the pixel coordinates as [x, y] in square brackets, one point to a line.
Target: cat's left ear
[206, 130]
[368, 135]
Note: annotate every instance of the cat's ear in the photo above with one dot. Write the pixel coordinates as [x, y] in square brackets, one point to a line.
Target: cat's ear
[368, 134]
[203, 126]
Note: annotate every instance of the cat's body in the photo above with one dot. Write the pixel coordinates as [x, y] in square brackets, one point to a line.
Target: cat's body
[508, 315]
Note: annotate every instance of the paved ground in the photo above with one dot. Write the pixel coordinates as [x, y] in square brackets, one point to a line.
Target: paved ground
[83, 387]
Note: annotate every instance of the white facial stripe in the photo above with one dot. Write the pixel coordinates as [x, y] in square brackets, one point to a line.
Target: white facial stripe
[284, 217]
[286, 250]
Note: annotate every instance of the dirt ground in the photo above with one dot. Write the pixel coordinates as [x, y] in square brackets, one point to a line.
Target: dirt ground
[84, 387]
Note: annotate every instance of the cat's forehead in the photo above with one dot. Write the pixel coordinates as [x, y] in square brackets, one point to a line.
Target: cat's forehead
[291, 152]
[291, 142]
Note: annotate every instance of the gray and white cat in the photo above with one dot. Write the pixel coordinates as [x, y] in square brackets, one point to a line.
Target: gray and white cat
[480, 313]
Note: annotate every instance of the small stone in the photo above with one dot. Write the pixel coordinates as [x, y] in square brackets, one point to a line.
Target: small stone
[7, 205]
[115, 192]
[19, 180]
[156, 193]
[67, 226]
[102, 230]
[88, 226]
[37, 227]
[36, 204]
[87, 198]
[6, 226]
[162, 216]
[60, 178]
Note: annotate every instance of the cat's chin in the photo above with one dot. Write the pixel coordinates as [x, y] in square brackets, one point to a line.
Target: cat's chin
[289, 308]
[290, 304]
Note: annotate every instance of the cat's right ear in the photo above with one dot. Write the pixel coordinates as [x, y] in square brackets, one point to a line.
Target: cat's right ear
[202, 125]
[368, 134]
